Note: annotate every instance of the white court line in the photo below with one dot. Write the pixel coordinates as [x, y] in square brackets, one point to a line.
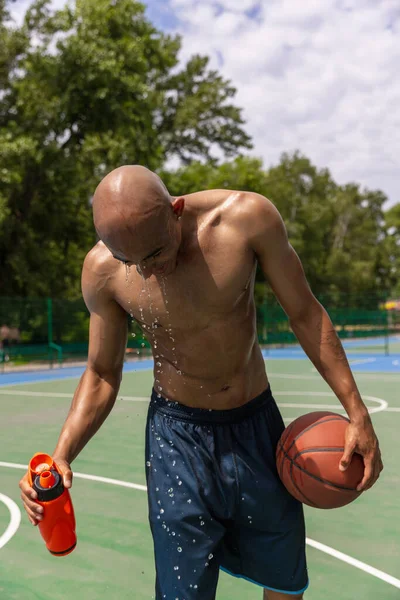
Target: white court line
[354, 562]
[361, 361]
[389, 377]
[15, 520]
[383, 405]
[317, 545]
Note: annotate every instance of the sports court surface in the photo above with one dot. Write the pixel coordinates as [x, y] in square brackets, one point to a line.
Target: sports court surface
[353, 552]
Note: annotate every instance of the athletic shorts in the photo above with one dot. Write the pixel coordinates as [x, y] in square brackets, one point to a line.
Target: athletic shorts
[216, 500]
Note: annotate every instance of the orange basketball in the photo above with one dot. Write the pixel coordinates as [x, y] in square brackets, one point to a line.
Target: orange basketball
[308, 456]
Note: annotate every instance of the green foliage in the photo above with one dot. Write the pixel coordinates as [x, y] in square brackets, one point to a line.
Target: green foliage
[94, 86]
[393, 245]
[84, 90]
[339, 232]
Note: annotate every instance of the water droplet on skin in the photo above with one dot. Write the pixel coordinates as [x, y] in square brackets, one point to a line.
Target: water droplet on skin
[210, 556]
[189, 501]
[179, 482]
[173, 463]
[158, 364]
[206, 564]
[179, 549]
[201, 523]
[162, 511]
[176, 568]
[173, 533]
[148, 463]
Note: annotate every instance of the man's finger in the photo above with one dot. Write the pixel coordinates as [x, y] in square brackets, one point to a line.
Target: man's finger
[368, 473]
[346, 459]
[375, 477]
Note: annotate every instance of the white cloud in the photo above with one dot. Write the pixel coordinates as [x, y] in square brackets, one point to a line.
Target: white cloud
[320, 76]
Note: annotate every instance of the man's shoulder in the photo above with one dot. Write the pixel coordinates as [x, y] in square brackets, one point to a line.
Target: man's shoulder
[98, 272]
[100, 260]
[252, 211]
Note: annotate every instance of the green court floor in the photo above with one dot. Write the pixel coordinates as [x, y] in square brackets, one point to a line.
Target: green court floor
[114, 556]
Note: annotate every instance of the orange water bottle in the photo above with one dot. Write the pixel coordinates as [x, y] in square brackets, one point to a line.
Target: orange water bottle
[58, 524]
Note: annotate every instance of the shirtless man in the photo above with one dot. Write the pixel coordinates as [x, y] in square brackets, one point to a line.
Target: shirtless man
[213, 424]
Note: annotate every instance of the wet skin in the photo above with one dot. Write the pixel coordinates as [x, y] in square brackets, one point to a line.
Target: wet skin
[196, 309]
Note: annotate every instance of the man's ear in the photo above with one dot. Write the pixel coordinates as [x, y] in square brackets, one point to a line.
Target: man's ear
[178, 205]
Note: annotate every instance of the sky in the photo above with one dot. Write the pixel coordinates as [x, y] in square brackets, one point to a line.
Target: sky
[318, 76]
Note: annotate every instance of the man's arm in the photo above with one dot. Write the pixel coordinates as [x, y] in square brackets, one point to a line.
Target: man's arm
[313, 328]
[98, 388]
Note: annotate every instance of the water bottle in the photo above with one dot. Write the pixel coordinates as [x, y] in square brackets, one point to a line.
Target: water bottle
[58, 524]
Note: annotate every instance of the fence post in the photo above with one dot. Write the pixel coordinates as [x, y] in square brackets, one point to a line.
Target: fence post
[50, 329]
[387, 324]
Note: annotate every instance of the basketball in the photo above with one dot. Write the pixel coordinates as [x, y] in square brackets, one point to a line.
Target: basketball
[308, 456]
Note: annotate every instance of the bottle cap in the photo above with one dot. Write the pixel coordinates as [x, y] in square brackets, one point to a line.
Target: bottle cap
[38, 463]
[48, 486]
[47, 479]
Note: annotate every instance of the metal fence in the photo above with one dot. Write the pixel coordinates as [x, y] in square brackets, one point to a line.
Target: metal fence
[56, 330]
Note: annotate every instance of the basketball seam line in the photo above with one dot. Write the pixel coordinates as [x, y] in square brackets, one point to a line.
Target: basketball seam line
[318, 449]
[334, 485]
[338, 418]
[310, 502]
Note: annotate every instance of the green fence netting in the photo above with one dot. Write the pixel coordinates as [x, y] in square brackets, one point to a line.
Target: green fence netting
[56, 330]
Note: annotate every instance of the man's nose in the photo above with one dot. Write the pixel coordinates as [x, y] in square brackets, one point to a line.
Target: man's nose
[144, 271]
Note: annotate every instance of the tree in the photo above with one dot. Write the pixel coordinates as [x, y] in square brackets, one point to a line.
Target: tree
[393, 246]
[339, 232]
[84, 90]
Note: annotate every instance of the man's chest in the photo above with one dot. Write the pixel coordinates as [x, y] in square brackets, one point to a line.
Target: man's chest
[213, 282]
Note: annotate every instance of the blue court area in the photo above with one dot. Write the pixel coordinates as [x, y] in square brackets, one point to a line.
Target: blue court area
[361, 362]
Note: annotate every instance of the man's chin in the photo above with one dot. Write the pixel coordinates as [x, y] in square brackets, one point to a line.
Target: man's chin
[167, 270]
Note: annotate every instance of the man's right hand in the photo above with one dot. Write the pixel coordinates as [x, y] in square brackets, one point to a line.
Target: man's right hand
[28, 495]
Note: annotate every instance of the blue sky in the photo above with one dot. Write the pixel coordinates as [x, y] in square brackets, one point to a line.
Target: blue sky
[320, 76]
[162, 15]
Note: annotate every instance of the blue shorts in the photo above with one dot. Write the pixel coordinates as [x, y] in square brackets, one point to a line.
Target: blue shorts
[216, 500]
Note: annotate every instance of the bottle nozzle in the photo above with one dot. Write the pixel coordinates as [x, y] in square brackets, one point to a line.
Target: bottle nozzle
[47, 479]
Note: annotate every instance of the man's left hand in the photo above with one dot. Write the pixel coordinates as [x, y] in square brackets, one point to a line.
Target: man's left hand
[361, 438]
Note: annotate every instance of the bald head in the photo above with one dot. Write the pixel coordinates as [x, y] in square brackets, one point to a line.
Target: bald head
[137, 219]
[126, 198]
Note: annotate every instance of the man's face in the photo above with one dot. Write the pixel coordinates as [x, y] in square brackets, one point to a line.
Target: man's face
[154, 249]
